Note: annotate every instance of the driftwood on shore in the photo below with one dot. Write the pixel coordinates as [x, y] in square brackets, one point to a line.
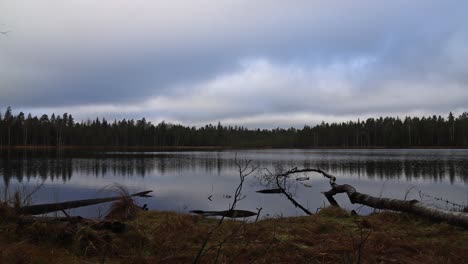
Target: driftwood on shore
[53, 207]
[408, 206]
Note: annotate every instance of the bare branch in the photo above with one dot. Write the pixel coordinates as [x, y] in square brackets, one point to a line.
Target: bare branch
[244, 171]
[280, 182]
[33, 191]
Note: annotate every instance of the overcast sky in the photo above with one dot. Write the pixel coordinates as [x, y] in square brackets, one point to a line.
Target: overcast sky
[254, 63]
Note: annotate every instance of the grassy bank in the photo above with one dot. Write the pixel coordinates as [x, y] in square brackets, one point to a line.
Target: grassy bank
[331, 236]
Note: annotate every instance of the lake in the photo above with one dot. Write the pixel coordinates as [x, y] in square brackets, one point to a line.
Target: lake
[184, 180]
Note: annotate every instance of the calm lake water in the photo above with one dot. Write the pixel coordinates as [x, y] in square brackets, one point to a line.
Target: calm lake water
[183, 181]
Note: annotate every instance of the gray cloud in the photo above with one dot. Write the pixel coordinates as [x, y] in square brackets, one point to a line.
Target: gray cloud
[257, 63]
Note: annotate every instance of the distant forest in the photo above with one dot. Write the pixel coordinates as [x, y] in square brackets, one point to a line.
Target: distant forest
[393, 132]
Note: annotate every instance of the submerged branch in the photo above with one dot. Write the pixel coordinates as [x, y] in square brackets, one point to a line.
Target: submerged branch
[280, 182]
[52, 207]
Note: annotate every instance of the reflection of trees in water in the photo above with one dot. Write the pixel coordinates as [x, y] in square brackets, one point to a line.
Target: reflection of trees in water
[436, 170]
[61, 167]
[43, 168]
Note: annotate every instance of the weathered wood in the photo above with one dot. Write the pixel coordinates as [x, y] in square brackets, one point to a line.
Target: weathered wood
[408, 206]
[411, 206]
[53, 207]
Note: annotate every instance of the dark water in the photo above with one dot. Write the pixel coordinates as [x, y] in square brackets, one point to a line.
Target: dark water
[183, 181]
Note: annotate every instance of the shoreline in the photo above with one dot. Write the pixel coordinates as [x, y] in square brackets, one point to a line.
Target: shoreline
[330, 236]
[213, 148]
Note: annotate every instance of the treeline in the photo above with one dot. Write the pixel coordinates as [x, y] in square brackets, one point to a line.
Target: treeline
[62, 130]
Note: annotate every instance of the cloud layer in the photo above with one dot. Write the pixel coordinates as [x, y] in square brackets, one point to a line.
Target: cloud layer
[248, 63]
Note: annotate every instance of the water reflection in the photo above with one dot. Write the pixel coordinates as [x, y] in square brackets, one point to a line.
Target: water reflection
[402, 165]
[183, 181]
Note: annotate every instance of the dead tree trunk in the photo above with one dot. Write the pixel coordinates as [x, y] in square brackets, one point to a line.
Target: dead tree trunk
[52, 207]
[407, 206]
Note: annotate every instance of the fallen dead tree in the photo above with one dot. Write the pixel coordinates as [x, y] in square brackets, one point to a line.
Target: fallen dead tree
[25, 215]
[53, 207]
[408, 206]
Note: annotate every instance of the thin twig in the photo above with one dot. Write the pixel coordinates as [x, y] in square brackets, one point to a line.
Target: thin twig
[243, 173]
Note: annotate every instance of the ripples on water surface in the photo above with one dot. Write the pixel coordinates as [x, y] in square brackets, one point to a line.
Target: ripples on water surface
[182, 181]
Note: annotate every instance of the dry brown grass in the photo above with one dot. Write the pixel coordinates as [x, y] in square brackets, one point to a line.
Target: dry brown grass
[6, 212]
[123, 209]
[331, 236]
